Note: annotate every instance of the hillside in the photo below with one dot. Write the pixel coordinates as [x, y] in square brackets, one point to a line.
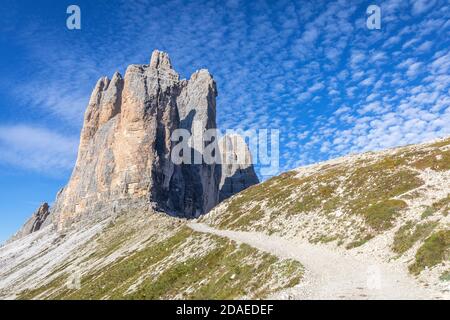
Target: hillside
[139, 256]
[391, 205]
[330, 230]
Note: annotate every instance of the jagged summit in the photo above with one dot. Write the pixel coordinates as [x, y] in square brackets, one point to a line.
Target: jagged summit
[34, 223]
[125, 145]
[160, 60]
[238, 173]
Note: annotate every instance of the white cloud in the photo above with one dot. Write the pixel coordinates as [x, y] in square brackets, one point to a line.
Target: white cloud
[342, 110]
[413, 69]
[421, 6]
[289, 66]
[37, 149]
[425, 46]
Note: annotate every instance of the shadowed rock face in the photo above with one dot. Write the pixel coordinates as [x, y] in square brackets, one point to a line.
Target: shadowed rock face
[237, 166]
[124, 154]
[34, 223]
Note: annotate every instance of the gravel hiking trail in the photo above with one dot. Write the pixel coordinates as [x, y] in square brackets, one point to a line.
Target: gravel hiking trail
[333, 273]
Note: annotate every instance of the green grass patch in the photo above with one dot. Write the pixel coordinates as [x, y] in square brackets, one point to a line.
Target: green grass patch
[409, 234]
[445, 276]
[248, 218]
[56, 283]
[359, 241]
[428, 212]
[437, 161]
[226, 271]
[324, 239]
[221, 274]
[434, 250]
[443, 204]
[381, 215]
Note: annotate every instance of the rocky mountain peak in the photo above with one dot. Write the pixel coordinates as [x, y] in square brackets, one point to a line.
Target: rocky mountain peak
[124, 158]
[35, 222]
[237, 166]
[160, 60]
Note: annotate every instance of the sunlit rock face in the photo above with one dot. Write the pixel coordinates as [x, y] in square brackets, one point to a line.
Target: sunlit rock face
[124, 158]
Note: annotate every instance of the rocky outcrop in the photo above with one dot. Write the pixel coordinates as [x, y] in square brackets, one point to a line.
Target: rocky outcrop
[35, 223]
[237, 166]
[124, 158]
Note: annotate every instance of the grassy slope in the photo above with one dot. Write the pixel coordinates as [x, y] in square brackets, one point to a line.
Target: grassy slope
[348, 203]
[351, 202]
[180, 264]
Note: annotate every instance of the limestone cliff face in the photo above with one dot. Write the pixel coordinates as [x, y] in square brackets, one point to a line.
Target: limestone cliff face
[33, 224]
[124, 154]
[237, 166]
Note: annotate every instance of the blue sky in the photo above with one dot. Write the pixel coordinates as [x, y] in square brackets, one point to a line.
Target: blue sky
[311, 69]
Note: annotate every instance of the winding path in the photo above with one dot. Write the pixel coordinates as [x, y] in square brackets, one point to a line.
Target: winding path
[333, 273]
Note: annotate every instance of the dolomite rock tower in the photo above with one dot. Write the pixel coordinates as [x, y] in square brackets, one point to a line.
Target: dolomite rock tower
[124, 153]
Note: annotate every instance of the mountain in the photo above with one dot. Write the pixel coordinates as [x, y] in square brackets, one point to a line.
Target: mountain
[367, 226]
[124, 158]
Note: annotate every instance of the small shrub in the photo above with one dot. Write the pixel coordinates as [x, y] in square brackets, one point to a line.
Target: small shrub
[437, 161]
[434, 250]
[359, 242]
[380, 216]
[429, 211]
[442, 204]
[407, 235]
[445, 276]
